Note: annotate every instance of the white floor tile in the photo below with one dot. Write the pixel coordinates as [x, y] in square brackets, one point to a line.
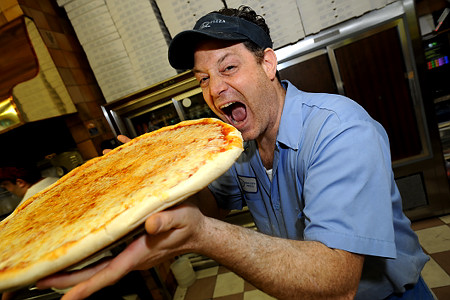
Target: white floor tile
[228, 284]
[434, 275]
[180, 293]
[445, 219]
[435, 239]
[207, 272]
[257, 295]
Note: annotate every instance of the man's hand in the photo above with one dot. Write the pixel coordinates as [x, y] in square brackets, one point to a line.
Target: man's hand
[169, 233]
[123, 139]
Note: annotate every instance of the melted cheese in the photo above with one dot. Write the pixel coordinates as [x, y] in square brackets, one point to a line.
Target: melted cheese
[82, 202]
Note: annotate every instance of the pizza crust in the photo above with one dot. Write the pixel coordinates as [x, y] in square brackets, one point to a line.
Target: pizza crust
[125, 222]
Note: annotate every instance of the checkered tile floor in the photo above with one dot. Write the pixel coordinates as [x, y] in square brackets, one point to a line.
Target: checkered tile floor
[218, 283]
[434, 236]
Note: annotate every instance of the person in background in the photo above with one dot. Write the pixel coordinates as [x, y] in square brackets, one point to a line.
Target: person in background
[316, 175]
[24, 181]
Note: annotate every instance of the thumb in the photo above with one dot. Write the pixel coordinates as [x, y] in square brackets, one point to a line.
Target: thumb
[154, 224]
[173, 218]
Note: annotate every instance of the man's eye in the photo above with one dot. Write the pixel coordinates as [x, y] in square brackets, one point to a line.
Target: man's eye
[229, 68]
[202, 80]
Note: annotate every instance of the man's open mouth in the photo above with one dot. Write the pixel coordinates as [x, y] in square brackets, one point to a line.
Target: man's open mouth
[235, 111]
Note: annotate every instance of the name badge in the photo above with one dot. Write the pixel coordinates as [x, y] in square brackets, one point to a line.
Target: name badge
[248, 184]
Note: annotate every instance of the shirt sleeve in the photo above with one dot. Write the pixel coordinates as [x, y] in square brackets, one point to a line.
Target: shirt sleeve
[348, 189]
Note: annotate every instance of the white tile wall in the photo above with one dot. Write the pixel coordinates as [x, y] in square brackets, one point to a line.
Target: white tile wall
[282, 17]
[179, 15]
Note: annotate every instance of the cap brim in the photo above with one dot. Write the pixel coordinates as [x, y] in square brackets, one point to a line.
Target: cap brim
[182, 46]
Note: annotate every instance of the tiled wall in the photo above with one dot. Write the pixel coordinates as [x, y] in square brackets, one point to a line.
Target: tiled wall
[88, 126]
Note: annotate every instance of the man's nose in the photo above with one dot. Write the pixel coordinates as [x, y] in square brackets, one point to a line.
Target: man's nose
[217, 86]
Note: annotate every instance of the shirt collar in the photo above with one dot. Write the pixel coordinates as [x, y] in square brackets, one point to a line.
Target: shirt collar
[291, 127]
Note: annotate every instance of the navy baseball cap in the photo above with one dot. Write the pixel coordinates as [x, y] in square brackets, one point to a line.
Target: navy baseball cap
[216, 26]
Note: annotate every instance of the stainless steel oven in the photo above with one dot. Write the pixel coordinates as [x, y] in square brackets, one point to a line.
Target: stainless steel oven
[176, 99]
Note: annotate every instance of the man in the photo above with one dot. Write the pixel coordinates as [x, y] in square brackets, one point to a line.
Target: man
[23, 181]
[316, 175]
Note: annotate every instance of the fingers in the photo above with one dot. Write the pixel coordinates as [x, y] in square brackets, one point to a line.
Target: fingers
[123, 139]
[111, 273]
[69, 279]
[169, 232]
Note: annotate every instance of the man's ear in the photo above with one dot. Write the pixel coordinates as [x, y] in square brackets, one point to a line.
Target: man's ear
[21, 182]
[270, 63]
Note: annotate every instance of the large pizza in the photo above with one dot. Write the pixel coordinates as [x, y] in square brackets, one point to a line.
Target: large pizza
[108, 197]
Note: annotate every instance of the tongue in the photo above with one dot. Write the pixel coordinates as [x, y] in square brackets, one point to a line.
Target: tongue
[239, 113]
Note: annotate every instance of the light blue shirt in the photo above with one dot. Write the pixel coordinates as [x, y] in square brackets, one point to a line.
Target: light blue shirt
[332, 183]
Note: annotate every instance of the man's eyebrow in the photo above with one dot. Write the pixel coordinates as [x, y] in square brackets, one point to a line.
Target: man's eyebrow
[194, 70]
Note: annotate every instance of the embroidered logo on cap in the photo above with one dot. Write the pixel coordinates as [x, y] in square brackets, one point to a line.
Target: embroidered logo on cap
[208, 23]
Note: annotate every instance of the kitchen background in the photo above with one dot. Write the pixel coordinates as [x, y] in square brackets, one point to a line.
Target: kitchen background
[76, 73]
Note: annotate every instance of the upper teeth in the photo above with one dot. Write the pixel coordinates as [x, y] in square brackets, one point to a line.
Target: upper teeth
[226, 105]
